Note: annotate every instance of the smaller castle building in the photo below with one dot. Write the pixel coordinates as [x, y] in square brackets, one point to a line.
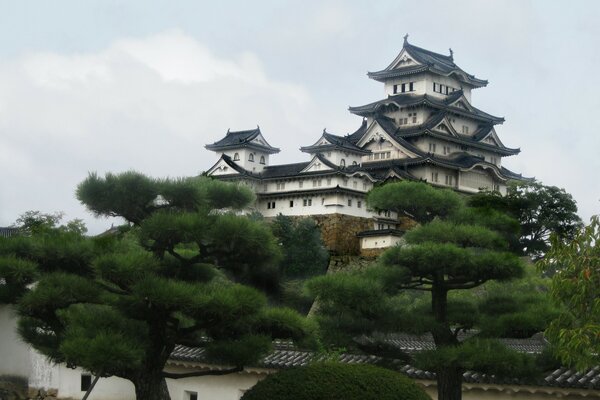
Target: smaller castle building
[424, 129]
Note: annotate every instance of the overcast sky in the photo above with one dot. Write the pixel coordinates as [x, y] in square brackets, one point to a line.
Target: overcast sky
[144, 85]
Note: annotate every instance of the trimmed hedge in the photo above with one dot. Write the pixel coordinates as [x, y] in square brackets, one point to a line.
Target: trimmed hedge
[330, 381]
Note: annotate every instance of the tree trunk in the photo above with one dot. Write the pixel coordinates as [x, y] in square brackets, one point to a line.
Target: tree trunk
[449, 379]
[151, 386]
[449, 384]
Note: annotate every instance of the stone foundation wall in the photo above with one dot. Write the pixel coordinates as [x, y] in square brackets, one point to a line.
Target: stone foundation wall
[339, 232]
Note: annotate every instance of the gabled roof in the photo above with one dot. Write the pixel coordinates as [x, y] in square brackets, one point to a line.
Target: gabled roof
[318, 158]
[447, 104]
[426, 60]
[428, 128]
[237, 139]
[328, 141]
[286, 355]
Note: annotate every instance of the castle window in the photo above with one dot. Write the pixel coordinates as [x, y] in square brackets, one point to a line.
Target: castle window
[236, 157]
[251, 157]
[354, 184]
[345, 181]
[265, 187]
[414, 118]
[465, 129]
[446, 149]
[434, 87]
[262, 159]
[377, 156]
[449, 180]
[359, 204]
[314, 183]
[395, 89]
[349, 202]
[411, 86]
[496, 187]
[403, 87]
[432, 147]
[300, 184]
[291, 203]
[307, 202]
[191, 395]
[434, 177]
[364, 185]
[494, 160]
[86, 382]
[328, 181]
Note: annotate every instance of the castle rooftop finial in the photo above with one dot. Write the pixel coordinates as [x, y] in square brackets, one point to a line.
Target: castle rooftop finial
[406, 39]
[451, 54]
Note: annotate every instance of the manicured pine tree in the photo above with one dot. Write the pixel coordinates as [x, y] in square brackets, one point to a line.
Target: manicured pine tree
[117, 305]
[453, 249]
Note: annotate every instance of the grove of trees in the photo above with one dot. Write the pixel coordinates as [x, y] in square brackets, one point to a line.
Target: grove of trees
[186, 272]
[454, 250]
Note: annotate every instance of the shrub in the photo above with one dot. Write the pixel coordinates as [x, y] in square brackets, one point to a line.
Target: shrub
[326, 381]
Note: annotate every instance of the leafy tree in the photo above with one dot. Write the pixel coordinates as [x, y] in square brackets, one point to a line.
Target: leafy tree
[118, 305]
[444, 256]
[325, 381]
[541, 210]
[304, 253]
[576, 285]
[36, 222]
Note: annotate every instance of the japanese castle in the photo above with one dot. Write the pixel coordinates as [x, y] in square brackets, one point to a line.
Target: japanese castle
[425, 129]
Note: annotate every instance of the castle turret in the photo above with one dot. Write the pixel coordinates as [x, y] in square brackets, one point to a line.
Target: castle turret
[248, 149]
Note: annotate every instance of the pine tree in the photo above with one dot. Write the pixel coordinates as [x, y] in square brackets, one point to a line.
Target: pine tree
[416, 287]
[117, 305]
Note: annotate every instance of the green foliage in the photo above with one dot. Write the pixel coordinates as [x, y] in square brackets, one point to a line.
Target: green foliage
[38, 223]
[575, 333]
[419, 201]
[304, 252]
[487, 356]
[541, 211]
[451, 254]
[118, 304]
[336, 381]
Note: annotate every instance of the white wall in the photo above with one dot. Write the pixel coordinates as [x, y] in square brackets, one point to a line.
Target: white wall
[14, 354]
[379, 242]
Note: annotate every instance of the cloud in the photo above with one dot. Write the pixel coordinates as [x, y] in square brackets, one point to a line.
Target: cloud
[149, 104]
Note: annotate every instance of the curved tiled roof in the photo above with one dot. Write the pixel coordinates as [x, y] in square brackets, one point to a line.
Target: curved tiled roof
[336, 142]
[235, 139]
[447, 104]
[285, 355]
[428, 61]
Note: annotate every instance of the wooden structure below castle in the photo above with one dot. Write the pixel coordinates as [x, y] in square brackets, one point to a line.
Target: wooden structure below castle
[425, 129]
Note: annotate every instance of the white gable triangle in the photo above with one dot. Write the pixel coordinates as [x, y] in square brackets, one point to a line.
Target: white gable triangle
[404, 59]
[376, 134]
[221, 168]
[316, 165]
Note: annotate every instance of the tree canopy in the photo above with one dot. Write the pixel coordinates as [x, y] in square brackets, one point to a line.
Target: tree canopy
[118, 304]
[416, 288]
[576, 285]
[541, 211]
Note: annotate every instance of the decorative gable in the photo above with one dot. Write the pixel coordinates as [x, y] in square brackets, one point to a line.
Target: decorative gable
[492, 139]
[404, 59]
[316, 164]
[221, 168]
[376, 137]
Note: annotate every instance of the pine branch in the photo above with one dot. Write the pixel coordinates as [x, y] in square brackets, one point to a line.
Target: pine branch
[171, 375]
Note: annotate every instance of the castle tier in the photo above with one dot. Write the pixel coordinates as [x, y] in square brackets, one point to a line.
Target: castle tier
[425, 129]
